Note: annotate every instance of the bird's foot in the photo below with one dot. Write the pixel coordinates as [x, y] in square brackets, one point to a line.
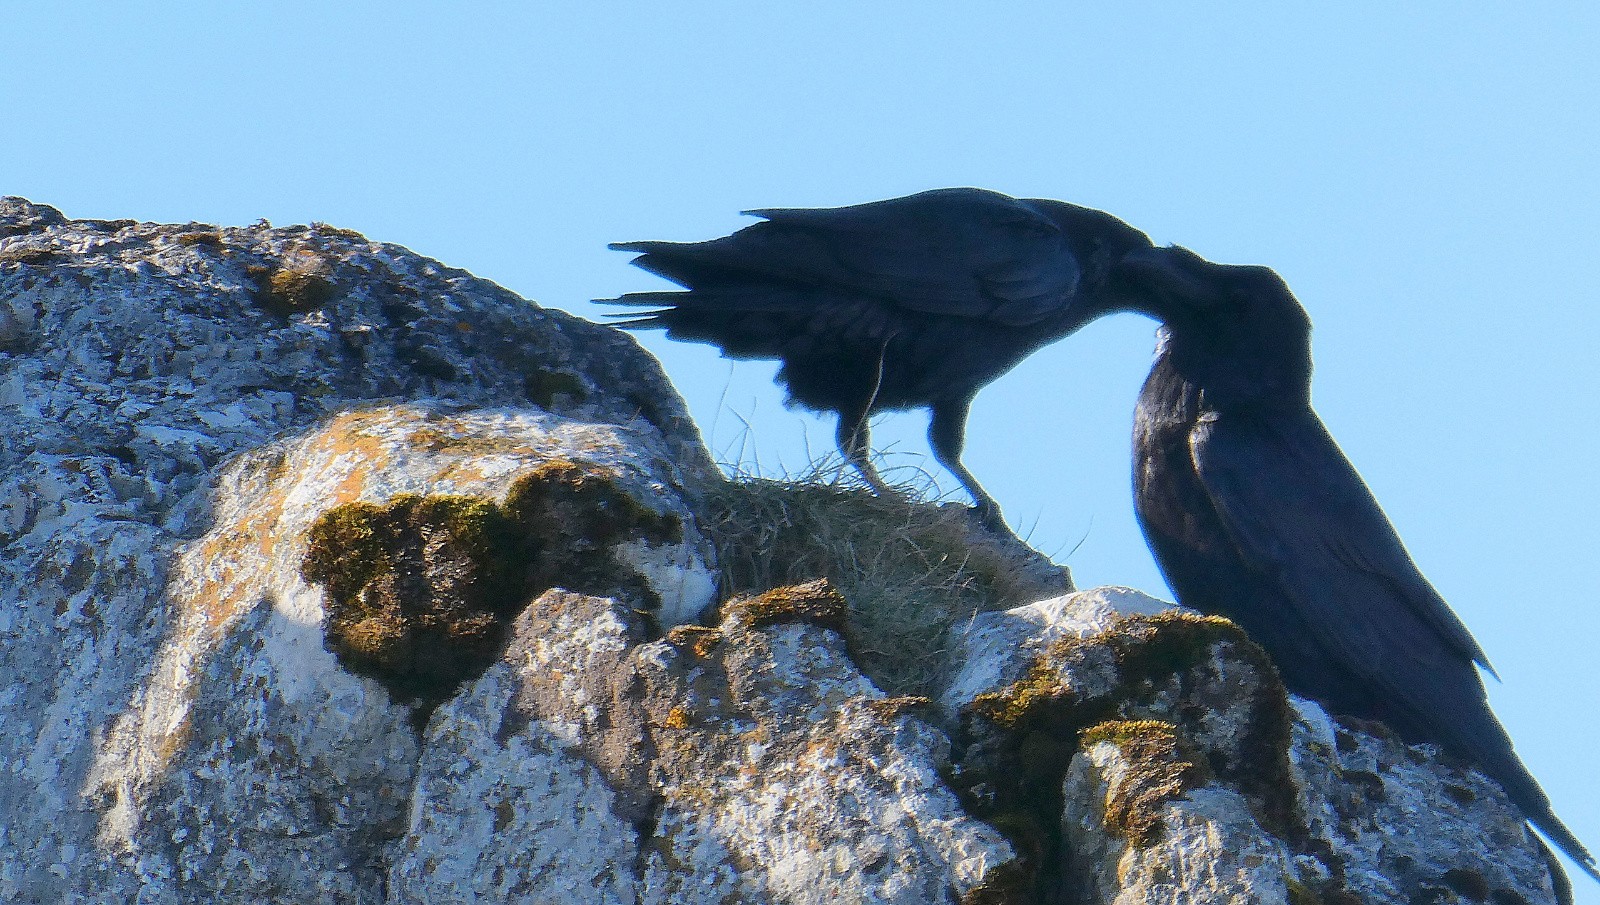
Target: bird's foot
[987, 513]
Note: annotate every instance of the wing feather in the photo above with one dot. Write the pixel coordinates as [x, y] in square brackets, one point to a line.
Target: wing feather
[1297, 509]
[953, 252]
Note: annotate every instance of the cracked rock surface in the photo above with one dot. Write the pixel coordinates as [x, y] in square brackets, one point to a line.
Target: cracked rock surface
[332, 574]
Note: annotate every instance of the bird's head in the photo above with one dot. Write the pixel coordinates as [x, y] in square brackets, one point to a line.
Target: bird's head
[1236, 328]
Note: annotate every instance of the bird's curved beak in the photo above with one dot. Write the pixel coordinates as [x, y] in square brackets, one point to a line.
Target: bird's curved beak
[1152, 279]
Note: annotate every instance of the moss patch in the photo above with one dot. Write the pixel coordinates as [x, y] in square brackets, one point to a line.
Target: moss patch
[1023, 737]
[542, 387]
[340, 232]
[571, 515]
[816, 602]
[291, 290]
[890, 709]
[1149, 650]
[420, 590]
[1159, 771]
[211, 238]
[417, 589]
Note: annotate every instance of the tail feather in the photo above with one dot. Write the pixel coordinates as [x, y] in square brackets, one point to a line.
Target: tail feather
[1474, 732]
[750, 298]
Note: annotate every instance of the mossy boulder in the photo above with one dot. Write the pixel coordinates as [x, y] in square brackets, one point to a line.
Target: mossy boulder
[420, 588]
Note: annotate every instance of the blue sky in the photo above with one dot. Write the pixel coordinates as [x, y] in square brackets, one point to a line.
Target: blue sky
[1425, 179]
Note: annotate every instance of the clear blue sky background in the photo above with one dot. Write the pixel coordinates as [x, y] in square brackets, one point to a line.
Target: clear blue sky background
[1424, 175]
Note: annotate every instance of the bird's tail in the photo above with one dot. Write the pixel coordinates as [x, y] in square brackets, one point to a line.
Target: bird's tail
[1473, 731]
[1525, 792]
[750, 314]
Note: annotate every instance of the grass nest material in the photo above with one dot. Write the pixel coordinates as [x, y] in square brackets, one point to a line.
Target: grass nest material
[908, 570]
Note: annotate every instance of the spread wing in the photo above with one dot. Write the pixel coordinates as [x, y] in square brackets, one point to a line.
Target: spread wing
[1296, 509]
[965, 253]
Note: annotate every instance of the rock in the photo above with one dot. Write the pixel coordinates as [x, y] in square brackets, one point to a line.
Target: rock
[333, 574]
[169, 438]
[998, 648]
[1188, 775]
[741, 763]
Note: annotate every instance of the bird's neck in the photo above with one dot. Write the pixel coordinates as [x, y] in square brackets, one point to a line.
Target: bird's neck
[1184, 387]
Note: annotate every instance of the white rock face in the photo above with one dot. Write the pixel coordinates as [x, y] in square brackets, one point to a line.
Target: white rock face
[180, 405]
[174, 729]
[1350, 816]
[997, 648]
[509, 816]
[1211, 850]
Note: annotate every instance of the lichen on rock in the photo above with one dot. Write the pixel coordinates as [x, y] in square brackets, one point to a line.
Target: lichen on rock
[1159, 770]
[1209, 782]
[420, 588]
[333, 574]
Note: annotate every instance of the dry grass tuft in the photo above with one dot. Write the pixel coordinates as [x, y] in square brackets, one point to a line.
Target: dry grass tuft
[908, 570]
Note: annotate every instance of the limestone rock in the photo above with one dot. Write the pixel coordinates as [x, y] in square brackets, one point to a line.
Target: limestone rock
[997, 648]
[332, 574]
[1195, 779]
[174, 416]
[728, 764]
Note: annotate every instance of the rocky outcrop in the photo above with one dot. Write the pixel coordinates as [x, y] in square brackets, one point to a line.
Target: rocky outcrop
[336, 575]
[1189, 776]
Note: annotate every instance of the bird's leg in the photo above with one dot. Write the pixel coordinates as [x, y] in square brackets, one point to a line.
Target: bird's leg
[947, 435]
[854, 436]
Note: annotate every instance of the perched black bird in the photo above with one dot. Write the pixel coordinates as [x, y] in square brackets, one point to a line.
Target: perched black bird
[1253, 513]
[912, 302]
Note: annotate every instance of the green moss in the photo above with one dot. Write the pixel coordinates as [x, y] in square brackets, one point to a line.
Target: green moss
[1028, 699]
[1027, 733]
[589, 501]
[417, 589]
[420, 589]
[210, 238]
[328, 230]
[542, 387]
[816, 602]
[888, 709]
[285, 291]
[1301, 894]
[1168, 643]
[1160, 770]
[1150, 650]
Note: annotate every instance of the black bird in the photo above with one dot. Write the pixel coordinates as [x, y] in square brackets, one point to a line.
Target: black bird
[898, 304]
[1253, 513]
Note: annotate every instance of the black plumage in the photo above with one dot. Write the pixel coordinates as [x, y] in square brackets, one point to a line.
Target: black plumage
[898, 304]
[1253, 513]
